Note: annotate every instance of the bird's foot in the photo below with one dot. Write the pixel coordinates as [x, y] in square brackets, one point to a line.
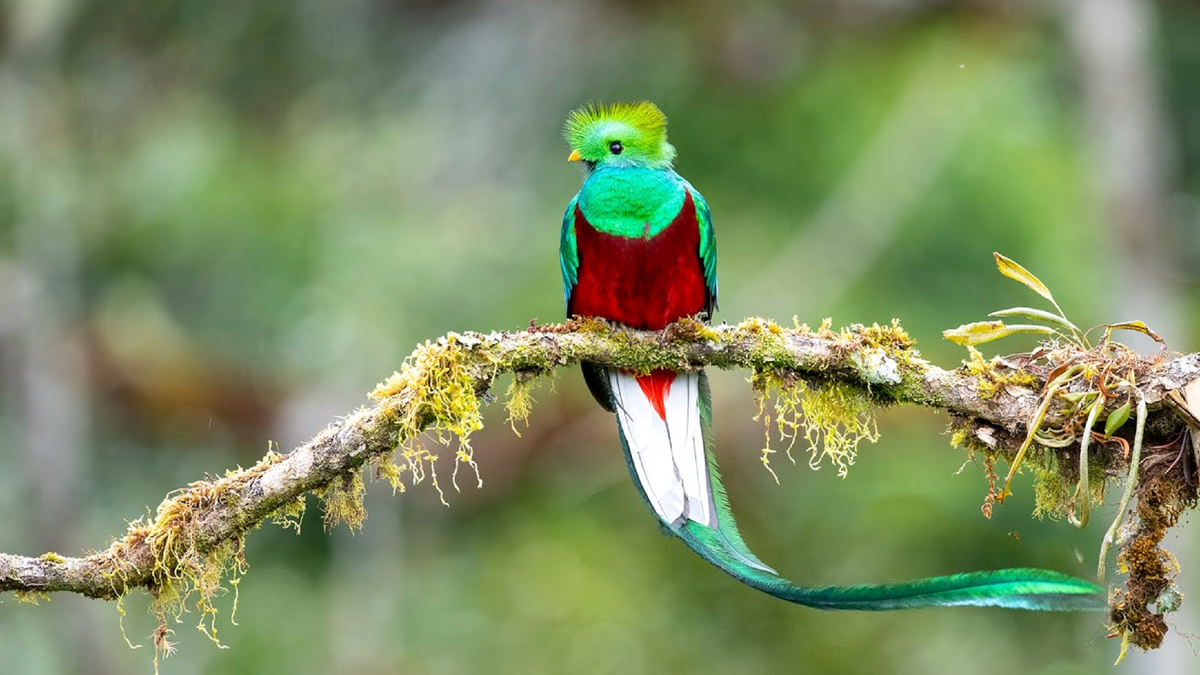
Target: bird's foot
[689, 327]
[667, 334]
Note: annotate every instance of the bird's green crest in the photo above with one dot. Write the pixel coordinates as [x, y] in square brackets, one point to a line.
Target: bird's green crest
[639, 129]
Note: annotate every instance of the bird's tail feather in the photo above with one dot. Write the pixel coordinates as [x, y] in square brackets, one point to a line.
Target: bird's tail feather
[719, 542]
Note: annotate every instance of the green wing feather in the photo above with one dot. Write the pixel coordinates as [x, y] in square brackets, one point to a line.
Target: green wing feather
[568, 252]
[1019, 588]
[708, 247]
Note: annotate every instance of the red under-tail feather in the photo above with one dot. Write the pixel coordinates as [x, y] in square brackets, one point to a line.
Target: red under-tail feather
[657, 387]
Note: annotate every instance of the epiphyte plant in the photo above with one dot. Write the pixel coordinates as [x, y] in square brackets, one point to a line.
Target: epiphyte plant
[1083, 381]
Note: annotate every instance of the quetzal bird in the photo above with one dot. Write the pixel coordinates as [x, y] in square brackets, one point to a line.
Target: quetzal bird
[638, 248]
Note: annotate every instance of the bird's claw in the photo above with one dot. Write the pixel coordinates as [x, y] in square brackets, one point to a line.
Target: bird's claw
[667, 334]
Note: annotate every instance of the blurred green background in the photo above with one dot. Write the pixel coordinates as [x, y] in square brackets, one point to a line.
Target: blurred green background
[221, 223]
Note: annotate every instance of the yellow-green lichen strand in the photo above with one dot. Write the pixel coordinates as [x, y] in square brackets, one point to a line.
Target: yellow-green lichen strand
[434, 392]
[343, 501]
[833, 417]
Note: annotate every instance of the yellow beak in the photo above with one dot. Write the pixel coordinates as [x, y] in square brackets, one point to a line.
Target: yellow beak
[574, 156]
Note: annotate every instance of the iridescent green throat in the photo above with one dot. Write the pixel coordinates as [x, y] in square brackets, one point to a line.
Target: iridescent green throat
[632, 202]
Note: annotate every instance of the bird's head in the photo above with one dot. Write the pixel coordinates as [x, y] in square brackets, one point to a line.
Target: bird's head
[619, 135]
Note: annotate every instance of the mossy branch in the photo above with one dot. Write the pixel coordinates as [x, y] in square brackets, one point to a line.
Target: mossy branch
[197, 535]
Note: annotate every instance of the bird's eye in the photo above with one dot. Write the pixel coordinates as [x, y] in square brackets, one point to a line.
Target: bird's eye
[616, 148]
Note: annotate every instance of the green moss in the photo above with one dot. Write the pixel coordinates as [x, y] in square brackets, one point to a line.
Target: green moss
[31, 597]
[833, 417]
[189, 572]
[993, 377]
[1053, 481]
[958, 438]
[892, 337]
[963, 436]
[434, 391]
[1051, 492]
[825, 330]
[291, 514]
[343, 501]
[757, 325]
[765, 339]
[182, 570]
[1056, 489]
[52, 557]
[416, 465]
[518, 401]
[434, 387]
[1054, 486]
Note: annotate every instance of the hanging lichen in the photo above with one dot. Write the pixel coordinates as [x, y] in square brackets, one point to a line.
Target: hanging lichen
[832, 417]
[433, 394]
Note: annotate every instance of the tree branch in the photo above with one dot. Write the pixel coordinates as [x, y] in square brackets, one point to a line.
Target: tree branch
[198, 532]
